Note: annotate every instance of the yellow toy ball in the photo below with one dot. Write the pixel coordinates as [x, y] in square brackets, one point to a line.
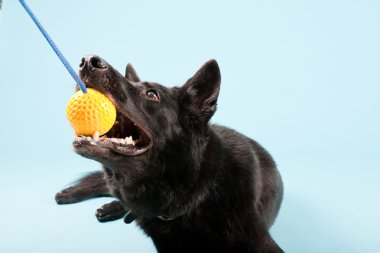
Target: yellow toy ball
[90, 112]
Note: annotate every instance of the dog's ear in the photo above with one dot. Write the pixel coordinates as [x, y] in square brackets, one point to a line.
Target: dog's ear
[201, 92]
[130, 73]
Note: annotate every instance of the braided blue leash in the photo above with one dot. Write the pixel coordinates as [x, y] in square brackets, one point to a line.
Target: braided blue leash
[55, 48]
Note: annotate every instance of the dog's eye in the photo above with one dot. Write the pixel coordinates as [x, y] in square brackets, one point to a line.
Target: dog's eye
[152, 94]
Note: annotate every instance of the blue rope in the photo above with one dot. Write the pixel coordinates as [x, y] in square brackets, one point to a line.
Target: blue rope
[55, 48]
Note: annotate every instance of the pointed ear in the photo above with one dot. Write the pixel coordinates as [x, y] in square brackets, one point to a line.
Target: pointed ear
[131, 74]
[201, 92]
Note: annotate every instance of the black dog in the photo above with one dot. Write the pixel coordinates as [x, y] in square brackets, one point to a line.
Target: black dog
[191, 186]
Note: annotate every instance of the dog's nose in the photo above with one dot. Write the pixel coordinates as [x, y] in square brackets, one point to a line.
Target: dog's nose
[93, 62]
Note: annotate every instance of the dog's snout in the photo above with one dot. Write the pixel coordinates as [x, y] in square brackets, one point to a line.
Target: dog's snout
[93, 62]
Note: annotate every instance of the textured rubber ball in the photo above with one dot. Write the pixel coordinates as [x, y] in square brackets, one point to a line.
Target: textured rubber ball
[90, 112]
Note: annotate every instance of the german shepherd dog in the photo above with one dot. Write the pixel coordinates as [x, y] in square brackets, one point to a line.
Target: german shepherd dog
[191, 186]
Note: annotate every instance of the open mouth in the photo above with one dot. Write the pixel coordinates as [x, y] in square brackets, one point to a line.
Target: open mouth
[125, 137]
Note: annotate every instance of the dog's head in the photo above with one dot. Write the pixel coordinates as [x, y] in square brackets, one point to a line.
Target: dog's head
[160, 133]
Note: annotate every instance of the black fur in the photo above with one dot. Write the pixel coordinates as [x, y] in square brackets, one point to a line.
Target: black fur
[198, 187]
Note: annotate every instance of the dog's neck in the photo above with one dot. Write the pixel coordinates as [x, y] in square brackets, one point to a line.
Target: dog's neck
[169, 177]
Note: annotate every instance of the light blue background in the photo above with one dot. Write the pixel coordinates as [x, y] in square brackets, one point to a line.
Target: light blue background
[300, 77]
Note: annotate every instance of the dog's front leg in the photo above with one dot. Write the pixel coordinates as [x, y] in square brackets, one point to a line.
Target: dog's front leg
[90, 186]
[111, 211]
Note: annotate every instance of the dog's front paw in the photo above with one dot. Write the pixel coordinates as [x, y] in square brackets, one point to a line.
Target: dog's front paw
[110, 212]
[66, 196]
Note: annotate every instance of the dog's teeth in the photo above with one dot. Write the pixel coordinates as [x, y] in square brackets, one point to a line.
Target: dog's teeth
[129, 140]
[96, 136]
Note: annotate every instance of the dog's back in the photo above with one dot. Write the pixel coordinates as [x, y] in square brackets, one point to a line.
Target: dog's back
[266, 180]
